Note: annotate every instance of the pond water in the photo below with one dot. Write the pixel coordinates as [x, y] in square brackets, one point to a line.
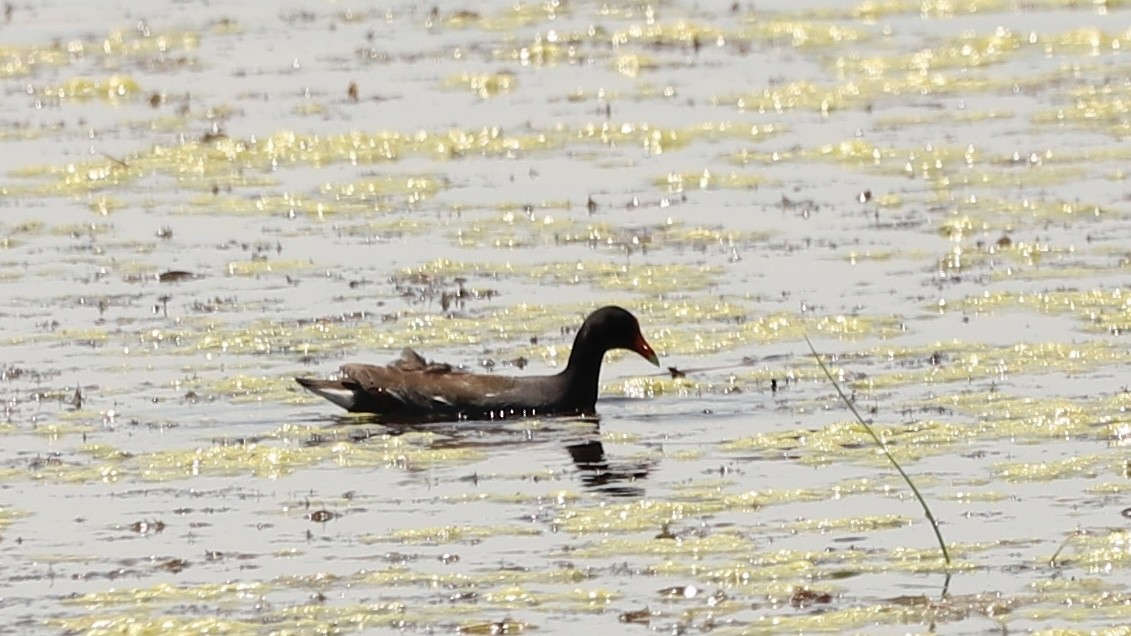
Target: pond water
[200, 202]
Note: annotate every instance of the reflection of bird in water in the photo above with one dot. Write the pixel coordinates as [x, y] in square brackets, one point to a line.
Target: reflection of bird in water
[596, 471]
[602, 476]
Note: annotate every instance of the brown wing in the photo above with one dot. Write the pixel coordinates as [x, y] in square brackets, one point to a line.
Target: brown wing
[413, 389]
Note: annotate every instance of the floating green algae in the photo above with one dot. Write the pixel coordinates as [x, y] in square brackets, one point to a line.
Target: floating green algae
[961, 361]
[113, 49]
[224, 162]
[848, 441]
[446, 535]
[483, 85]
[1104, 108]
[796, 95]
[706, 180]
[643, 278]
[944, 117]
[1032, 419]
[483, 596]
[270, 457]
[703, 500]
[1105, 310]
[543, 227]
[76, 178]
[9, 515]
[973, 216]
[965, 53]
[1097, 552]
[112, 89]
[945, 167]
[97, 624]
[257, 267]
[63, 429]
[708, 337]
[1086, 466]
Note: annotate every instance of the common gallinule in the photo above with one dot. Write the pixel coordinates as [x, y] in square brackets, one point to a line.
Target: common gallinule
[414, 390]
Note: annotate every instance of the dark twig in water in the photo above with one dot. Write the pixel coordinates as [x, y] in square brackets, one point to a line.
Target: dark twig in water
[1054, 560]
[883, 447]
[116, 160]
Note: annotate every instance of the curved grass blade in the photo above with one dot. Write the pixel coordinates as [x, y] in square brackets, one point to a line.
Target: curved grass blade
[852, 407]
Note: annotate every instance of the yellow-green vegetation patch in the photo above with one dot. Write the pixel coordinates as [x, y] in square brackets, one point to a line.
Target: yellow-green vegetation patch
[1037, 419]
[285, 204]
[798, 33]
[650, 514]
[387, 228]
[515, 497]
[511, 229]
[962, 361]
[1085, 466]
[93, 229]
[483, 85]
[1098, 553]
[942, 117]
[410, 188]
[62, 429]
[114, 88]
[9, 514]
[659, 33]
[208, 334]
[164, 593]
[855, 256]
[21, 61]
[871, 10]
[112, 50]
[921, 68]
[761, 571]
[149, 609]
[726, 543]
[841, 442]
[308, 109]
[75, 179]
[265, 460]
[445, 535]
[974, 216]
[271, 457]
[658, 384]
[971, 496]
[1101, 110]
[261, 266]
[139, 621]
[797, 95]
[215, 163]
[850, 524]
[106, 205]
[403, 577]
[767, 571]
[862, 617]
[407, 452]
[506, 19]
[1100, 310]
[426, 332]
[945, 166]
[643, 278]
[707, 337]
[706, 180]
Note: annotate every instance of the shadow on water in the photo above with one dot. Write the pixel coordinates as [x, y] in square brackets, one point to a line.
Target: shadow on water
[578, 436]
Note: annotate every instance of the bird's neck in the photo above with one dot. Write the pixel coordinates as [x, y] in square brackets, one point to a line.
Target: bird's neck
[582, 374]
